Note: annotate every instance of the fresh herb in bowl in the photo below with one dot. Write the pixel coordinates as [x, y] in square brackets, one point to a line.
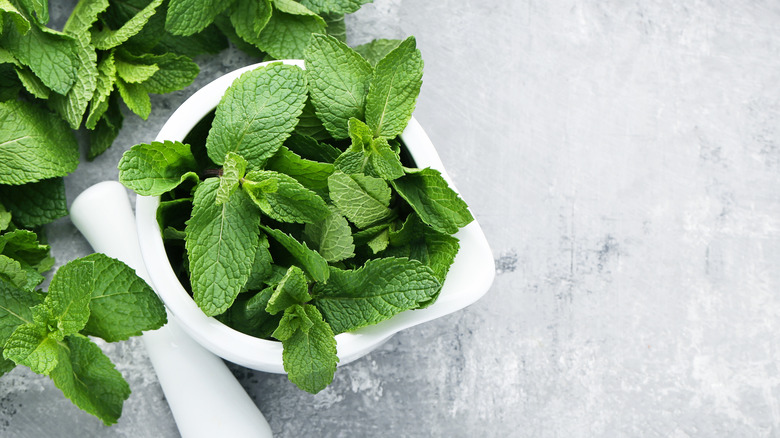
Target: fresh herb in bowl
[292, 212]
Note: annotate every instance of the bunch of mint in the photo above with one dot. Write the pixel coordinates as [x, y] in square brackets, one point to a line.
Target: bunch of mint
[294, 213]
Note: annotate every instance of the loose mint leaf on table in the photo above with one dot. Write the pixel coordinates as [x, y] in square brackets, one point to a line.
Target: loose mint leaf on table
[311, 174]
[36, 145]
[289, 30]
[312, 263]
[377, 291]
[309, 353]
[153, 169]
[253, 121]
[72, 105]
[84, 15]
[394, 89]
[53, 56]
[293, 289]
[339, 79]
[377, 49]
[369, 155]
[283, 198]
[364, 200]
[187, 17]
[334, 6]
[35, 204]
[87, 377]
[121, 304]
[221, 243]
[233, 171]
[106, 38]
[331, 237]
[433, 200]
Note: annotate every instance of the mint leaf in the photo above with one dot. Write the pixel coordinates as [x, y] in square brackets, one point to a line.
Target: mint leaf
[221, 242]
[37, 8]
[309, 148]
[331, 237]
[52, 56]
[375, 292]
[364, 200]
[289, 30]
[377, 49]
[232, 171]
[312, 263]
[136, 98]
[336, 26]
[248, 315]
[372, 156]
[418, 241]
[186, 17]
[9, 10]
[87, 377]
[106, 38]
[394, 89]
[311, 174]
[15, 308]
[309, 353]
[36, 146]
[66, 306]
[35, 204]
[153, 169]
[84, 15]
[283, 198]
[433, 200]
[334, 6]
[261, 267]
[104, 85]
[293, 289]
[253, 121]
[249, 17]
[135, 73]
[13, 272]
[121, 303]
[174, 71]
[106, 130]
[310, 126]
[32, 83]
[23, 245]
[30, 345]
[72, 105]
[339, 79]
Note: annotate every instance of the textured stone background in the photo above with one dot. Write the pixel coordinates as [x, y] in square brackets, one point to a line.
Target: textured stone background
[623, 159]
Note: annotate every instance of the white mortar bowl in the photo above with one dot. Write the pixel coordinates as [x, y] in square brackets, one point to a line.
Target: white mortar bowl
[469, 278]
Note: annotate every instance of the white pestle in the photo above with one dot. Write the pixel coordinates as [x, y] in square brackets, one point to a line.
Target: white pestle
[205, 398]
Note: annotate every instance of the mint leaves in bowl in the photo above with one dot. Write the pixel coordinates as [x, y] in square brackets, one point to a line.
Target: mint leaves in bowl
[294, 215]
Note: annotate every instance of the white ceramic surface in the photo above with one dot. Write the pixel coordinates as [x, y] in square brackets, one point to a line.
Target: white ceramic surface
[469, 278]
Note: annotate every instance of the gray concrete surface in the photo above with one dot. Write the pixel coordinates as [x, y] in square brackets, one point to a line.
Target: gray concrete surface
[623, 159]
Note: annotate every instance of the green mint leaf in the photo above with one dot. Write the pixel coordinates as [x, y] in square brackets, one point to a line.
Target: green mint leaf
[84, 15]
[261, 268]
[375, 292]
[253, 121]
[19, 274]
[364, 200]
[309, 353]
[9, 10]
[135, 97]
[53, 56]
[394, 89]
[106, 130]
[283, 198]
[175, 71]
[30, 345]
[312, 263]
[334, 6]
[186, 17]
[68, 300]
[135, 73]
[87, 377]
[209, 40]
[309, 148]
[72, 105]
[289, 30]
[221, 242]
[32, 83]
[121, 303]
[417, 241]
[379, 242]
[233, 170]
[104, 85]
[15, 309]
[331, 237]
[106, 38]
[368, 155]
[377, 49]
[5, 216]
[248, 315]
[336, 27]
[153, 169]
[23, 245]
[249, 17]
[310, 126]
[311, 174]
[37, 8]
[36, 145]
[35, 204]
[433, 200]
[339, 80]
[293, 289]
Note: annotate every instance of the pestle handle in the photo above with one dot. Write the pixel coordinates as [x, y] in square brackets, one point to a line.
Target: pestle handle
[205, 398]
